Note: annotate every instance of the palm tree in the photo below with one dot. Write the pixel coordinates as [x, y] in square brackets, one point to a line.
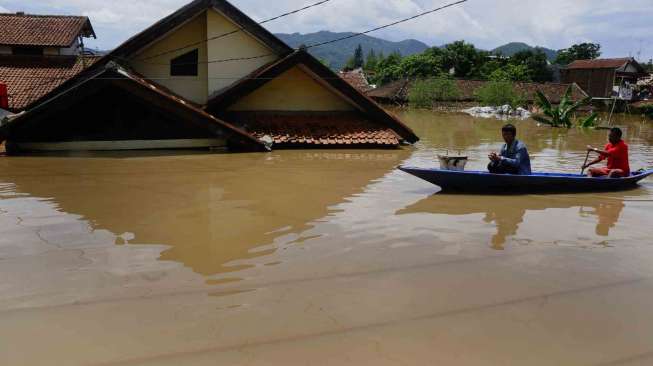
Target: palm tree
[560, 116]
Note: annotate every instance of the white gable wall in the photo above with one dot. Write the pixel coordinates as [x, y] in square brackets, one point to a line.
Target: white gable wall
[152, 65]
[237, 45]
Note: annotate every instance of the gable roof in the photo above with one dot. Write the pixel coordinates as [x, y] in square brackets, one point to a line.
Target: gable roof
[604, 63]
[28, 78]
[169, 23]
[43, 30]
[154, 92]
[230, 95]
[189, 11]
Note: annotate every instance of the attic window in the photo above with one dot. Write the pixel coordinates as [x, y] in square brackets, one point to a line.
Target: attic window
[185, 65]
[29, 51]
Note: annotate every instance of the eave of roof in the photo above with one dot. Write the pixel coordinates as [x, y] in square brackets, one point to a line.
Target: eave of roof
[228, 96]
[172, 101]
[28, 78]
[606, 63]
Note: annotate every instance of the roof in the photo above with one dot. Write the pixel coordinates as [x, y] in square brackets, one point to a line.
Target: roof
[605, 63]
[154, 93]
[219, 103]
[318, 130]
[29, 78]
[174, 20]
[398, 90]
[189, 11]
[357, 79]
[43, 30]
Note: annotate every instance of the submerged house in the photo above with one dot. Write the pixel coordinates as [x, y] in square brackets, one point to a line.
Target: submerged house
[605, 78]
[40, 52]
[207, 76]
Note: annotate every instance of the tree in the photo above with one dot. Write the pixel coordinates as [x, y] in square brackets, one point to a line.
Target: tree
[560, 116]
[536, 64]
[463, 58]
[511, 73]
[582, 51]
[356, 60]
[424, 92]
[388, 69]
[499, 93]
[371, 61]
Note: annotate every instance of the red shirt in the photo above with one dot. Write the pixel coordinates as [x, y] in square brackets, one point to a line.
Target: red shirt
[617, 156]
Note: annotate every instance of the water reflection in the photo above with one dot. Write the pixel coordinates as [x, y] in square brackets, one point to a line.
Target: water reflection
[507, 213]
[210, 211]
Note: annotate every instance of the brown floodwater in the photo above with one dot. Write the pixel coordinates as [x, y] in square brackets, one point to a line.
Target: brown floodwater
[324, 257]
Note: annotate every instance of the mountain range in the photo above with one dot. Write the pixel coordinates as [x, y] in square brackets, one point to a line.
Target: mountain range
[337, 54]
[514, 47]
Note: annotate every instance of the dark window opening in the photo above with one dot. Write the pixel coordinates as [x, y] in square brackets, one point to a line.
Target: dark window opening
[29, 51]
[185, 65]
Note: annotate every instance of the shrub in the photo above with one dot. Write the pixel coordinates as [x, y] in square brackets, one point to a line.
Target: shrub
[498, 93]
[424, 92]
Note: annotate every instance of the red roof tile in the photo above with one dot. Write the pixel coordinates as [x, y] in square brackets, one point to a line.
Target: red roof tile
[605, 63]
[28, 78]
[318, 130]
[357, 79]
[43, 30]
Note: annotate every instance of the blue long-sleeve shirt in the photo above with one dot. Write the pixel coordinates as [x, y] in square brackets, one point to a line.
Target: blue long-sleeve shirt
[516, 156]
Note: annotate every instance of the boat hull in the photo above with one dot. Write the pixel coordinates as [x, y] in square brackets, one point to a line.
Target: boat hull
[484, 182]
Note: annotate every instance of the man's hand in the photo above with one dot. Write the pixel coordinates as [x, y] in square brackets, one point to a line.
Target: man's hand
[591, 148]
[494, 157]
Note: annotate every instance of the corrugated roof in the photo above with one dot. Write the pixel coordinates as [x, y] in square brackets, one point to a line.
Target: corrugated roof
[43, 30]
[604, 63]
[29, 78]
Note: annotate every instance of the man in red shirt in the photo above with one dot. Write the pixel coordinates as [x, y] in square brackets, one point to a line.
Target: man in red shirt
[617, 154]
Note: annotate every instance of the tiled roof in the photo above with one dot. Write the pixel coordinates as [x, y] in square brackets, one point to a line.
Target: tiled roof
[30, 77]
[318, 130]
[604, 63]
[357, 79]
[156, 96]
[399, 90]
[220, 102]
[42, 30]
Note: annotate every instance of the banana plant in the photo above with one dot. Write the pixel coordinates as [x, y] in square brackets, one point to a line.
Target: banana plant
[561, 115]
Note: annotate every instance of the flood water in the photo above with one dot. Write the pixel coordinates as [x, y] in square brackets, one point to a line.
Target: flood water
[324, 258]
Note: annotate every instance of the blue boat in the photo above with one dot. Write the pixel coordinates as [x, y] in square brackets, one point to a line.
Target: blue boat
[484, 182]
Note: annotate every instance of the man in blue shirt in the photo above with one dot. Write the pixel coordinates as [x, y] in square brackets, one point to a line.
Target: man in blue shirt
[513, 158]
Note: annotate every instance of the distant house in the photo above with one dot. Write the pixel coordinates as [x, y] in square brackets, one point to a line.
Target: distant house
[357, 79]
[205, 76]
[398, 91]
[39, 52]
[602, 78]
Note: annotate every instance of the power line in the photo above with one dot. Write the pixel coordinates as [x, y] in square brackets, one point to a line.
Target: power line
[327, 42]
[387, 25]
[237, 30]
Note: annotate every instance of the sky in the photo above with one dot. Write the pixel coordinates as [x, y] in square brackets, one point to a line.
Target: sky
[623, 28]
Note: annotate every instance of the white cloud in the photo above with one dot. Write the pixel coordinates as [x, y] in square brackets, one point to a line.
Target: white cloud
[487, 23]
[5, 10]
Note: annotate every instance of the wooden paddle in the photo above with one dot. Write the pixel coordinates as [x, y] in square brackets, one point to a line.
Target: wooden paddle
[582, 171]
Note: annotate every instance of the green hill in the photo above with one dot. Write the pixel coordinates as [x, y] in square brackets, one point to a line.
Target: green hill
[337, 54]
[514, 47]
